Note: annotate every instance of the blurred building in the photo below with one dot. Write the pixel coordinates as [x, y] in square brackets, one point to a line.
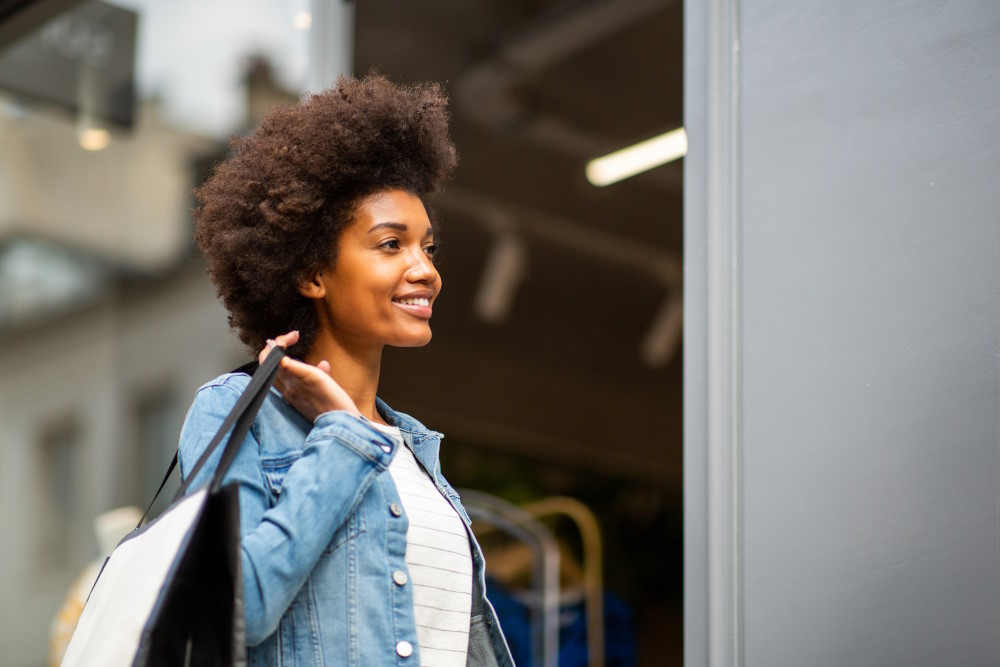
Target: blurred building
[128, 202]
[109, 324]
[106, 328]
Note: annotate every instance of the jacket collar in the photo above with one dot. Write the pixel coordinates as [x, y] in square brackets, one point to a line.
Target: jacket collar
[422, 441]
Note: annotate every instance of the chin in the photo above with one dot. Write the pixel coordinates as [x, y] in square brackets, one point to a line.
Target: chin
[412, 341]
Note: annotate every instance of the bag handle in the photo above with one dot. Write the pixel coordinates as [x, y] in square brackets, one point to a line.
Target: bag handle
[239, 419]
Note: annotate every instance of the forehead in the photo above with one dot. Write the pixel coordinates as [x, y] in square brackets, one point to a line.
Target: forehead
[396, 206]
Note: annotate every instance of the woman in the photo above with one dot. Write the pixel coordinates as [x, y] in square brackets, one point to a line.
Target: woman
[355, 550]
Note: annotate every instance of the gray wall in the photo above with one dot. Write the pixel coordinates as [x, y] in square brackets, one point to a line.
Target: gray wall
[842, 476]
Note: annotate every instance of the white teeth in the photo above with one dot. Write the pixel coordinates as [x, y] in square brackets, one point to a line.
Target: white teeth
[416, 302]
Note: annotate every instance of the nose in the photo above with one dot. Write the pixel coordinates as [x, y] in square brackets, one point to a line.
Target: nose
[421, 268]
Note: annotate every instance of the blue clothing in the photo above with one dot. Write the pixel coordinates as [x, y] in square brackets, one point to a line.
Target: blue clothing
[323, 532]
[619, 629]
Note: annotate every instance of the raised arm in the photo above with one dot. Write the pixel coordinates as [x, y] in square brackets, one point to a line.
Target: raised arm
[281, 543]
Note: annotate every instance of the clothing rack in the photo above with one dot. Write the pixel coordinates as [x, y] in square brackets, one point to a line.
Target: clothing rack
[593, 585]
[524, 527]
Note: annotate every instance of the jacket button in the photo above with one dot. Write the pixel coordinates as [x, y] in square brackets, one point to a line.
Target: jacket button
[399, 577]
[395, 509]
[386, 448]
[404, 649]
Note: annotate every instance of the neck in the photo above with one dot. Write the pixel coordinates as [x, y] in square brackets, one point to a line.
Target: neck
[355, 369]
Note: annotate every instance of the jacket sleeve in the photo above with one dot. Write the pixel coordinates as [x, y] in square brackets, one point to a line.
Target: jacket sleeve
[281, 544]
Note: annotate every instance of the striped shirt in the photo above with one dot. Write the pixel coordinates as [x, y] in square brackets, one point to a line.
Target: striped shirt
[439, 559]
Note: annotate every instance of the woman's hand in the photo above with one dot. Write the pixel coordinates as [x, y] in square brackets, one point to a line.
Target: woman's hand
[309, 389]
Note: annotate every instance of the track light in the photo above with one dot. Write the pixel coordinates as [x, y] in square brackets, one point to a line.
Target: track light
[505, 269]
[664, 335]
[636, 159]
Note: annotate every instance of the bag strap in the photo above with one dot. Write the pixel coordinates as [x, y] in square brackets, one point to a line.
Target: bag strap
[241, 429]
[239, 420]
[170, 469]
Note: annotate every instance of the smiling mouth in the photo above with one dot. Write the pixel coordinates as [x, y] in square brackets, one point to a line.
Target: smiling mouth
[414, 302]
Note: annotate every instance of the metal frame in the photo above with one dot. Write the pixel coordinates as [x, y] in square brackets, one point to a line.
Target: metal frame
[713, 601]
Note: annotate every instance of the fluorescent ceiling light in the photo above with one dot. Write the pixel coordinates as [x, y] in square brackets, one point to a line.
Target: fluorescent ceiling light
[636, 159]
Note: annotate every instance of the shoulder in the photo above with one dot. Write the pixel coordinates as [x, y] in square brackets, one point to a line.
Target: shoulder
[226, 389]
[276, 423]
[227, 383]
[214, 399]
[223, 392]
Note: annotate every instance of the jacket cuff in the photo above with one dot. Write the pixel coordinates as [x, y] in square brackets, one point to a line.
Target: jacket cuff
[355, 433]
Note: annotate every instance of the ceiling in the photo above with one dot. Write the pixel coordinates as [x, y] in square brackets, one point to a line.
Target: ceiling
[537, 88]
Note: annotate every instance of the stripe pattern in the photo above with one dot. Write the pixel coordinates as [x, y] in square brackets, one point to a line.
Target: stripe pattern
[439, 559]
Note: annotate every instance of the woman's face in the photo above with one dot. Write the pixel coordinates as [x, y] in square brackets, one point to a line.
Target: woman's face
[382, 285]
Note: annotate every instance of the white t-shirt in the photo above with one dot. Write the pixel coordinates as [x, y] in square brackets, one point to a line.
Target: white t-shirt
[439, 558]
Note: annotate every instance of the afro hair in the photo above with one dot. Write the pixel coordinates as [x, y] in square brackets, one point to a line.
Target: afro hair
[271, 214]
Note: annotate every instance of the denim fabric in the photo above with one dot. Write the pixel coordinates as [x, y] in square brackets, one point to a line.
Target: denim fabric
[319, 542]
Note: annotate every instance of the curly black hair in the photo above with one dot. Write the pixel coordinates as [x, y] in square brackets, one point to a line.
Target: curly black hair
[271, 214]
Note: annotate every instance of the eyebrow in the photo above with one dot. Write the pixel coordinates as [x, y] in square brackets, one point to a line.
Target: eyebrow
[398, 226]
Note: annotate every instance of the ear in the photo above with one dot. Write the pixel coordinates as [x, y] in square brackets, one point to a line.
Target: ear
[313, 287]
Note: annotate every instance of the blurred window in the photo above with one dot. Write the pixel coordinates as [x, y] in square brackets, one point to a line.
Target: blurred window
[58, 457]
[38, 278]
[157, 428]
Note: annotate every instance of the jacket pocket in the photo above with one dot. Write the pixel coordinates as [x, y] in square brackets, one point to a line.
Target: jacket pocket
[275, 470]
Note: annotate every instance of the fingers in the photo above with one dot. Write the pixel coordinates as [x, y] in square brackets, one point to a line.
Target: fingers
[295, 374]
[297, 369]
[309, 389]
[285, 341]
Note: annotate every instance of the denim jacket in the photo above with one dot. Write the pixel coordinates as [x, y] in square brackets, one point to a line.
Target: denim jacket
[323, 533]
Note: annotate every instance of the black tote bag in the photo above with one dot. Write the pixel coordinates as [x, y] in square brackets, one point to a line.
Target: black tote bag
[171, 593]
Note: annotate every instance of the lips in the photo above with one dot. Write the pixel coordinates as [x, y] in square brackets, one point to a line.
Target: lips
[418, 305]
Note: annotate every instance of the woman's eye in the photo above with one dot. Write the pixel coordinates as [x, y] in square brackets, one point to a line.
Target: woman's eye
[391, 244]
[431, 249]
